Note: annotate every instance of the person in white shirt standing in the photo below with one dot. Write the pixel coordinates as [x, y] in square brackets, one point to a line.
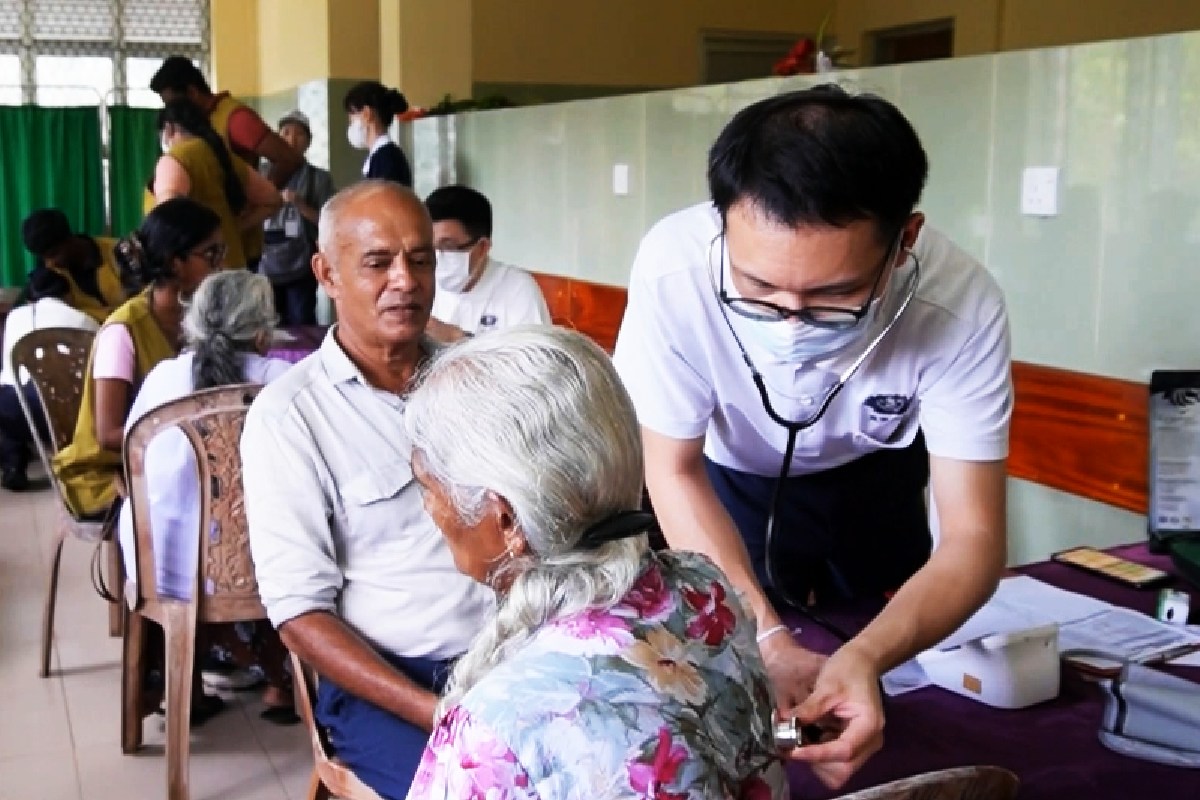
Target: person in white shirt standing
[806, 356]
[475, 293]
[46, 308]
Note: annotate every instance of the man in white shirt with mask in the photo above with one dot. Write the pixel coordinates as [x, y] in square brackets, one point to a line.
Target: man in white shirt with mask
[476, 294]
[806, 356]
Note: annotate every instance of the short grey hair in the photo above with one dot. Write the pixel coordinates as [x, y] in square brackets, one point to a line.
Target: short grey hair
[553, 432]
[227, 317]
[331, 212]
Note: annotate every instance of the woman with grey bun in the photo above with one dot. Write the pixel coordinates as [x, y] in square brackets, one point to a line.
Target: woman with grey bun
[227, 331]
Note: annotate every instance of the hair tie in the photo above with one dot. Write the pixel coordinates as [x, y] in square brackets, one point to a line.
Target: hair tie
[614, 527]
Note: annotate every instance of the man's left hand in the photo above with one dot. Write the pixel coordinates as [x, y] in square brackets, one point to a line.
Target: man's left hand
[845, 702]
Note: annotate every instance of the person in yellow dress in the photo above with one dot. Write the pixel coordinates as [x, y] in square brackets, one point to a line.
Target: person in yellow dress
[197, 164]
[178, 244]
[86, 262]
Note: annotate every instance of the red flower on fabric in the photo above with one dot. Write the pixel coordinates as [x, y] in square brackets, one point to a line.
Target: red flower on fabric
[714, 620]
[756, 789]
[649, 780]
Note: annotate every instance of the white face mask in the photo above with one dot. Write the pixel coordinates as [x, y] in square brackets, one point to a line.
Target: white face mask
[453, 270]
[790, 342]
[357, 134]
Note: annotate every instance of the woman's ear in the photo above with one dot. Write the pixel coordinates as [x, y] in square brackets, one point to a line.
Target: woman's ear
[506, 523]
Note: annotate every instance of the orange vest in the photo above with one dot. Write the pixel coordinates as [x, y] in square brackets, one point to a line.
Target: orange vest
[218, 117]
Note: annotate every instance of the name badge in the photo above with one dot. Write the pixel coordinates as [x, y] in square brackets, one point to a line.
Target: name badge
[291, 226]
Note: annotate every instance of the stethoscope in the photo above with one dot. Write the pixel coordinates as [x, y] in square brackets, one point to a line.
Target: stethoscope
[795, 427]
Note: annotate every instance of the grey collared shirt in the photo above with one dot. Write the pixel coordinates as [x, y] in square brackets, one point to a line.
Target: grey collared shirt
[336, 519]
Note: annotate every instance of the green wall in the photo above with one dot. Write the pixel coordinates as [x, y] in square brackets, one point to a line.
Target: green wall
[1109, 286]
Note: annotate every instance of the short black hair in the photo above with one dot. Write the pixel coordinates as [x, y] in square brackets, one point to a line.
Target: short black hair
[45, 229]
[385, 102]
[820, 156]
[45, 282]
[178, 73]
[463, 205]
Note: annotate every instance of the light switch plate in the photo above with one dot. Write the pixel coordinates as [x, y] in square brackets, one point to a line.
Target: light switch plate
[621, 179]
[1039, 192]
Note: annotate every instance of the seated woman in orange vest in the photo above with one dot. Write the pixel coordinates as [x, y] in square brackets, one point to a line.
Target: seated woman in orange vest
[197, 164]
[86, 262]
[177, 246]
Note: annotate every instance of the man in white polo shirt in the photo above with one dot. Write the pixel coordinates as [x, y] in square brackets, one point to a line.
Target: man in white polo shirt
[351, 569]
[805, 356]
[476, 294]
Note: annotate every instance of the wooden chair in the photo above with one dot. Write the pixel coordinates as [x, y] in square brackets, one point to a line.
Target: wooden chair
[330, 778]
[965, 783]
[225, 589]
[56, 359]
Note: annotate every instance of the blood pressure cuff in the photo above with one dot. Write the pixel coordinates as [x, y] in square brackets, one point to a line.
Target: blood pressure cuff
[1152, 716]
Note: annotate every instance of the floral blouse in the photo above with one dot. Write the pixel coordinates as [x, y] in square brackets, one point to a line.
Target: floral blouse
[663, 696]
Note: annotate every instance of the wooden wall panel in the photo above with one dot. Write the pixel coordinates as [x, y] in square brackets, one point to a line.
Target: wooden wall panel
[1083, 434]
[557, 291]
[1079, 433]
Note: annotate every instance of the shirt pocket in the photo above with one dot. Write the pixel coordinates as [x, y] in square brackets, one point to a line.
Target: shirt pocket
[887, 421]
[377, 484]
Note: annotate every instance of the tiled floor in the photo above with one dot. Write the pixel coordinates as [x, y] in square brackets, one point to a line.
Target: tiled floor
[60, 736]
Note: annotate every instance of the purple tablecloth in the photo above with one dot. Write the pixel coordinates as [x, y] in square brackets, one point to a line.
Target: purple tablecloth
[307, 339]
[1053, 747]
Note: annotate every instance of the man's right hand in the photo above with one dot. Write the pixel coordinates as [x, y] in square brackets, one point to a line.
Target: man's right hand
[793, 670]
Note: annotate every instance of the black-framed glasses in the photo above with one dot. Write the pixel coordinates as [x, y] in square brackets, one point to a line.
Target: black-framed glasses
[462, 248]
[828, 317]
[213, 254]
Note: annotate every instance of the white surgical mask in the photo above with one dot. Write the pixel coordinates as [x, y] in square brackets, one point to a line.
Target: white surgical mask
[790, 342]
[453, 270]
[356, 134]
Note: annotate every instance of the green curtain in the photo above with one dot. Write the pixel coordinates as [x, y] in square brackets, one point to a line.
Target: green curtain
[48, 157]
[132, 151]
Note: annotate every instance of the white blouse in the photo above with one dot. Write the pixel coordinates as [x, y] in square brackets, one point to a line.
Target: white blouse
[173, 490]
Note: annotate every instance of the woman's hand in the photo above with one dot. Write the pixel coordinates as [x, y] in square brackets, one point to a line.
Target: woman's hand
[845, 702]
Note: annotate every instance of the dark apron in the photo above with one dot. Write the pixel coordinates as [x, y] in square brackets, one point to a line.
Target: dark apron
[857, 530]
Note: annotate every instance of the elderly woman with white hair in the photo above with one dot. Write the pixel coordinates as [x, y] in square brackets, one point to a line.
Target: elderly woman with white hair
[608, 670]
[227, 328]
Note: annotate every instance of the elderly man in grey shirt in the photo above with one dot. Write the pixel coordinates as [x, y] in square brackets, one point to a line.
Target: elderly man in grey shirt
[351, 569]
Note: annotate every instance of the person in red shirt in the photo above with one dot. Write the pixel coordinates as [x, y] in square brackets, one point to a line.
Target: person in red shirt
[242, 128]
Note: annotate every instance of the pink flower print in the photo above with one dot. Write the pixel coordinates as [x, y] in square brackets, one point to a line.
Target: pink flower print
[649, 596]
[650, 780]
[595, 624]
[714, 620]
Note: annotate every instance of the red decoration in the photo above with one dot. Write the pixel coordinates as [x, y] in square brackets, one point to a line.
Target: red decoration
[800, 60]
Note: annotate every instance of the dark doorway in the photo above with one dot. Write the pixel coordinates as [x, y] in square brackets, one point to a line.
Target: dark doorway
[924, 42]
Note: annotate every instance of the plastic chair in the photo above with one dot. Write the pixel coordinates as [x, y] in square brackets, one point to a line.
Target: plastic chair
[964, 783]
[56, 359]
[330, 778]
[225, 589]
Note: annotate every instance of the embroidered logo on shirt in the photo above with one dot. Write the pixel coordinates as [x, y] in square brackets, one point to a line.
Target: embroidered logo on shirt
[887, 404]
[488, 321]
